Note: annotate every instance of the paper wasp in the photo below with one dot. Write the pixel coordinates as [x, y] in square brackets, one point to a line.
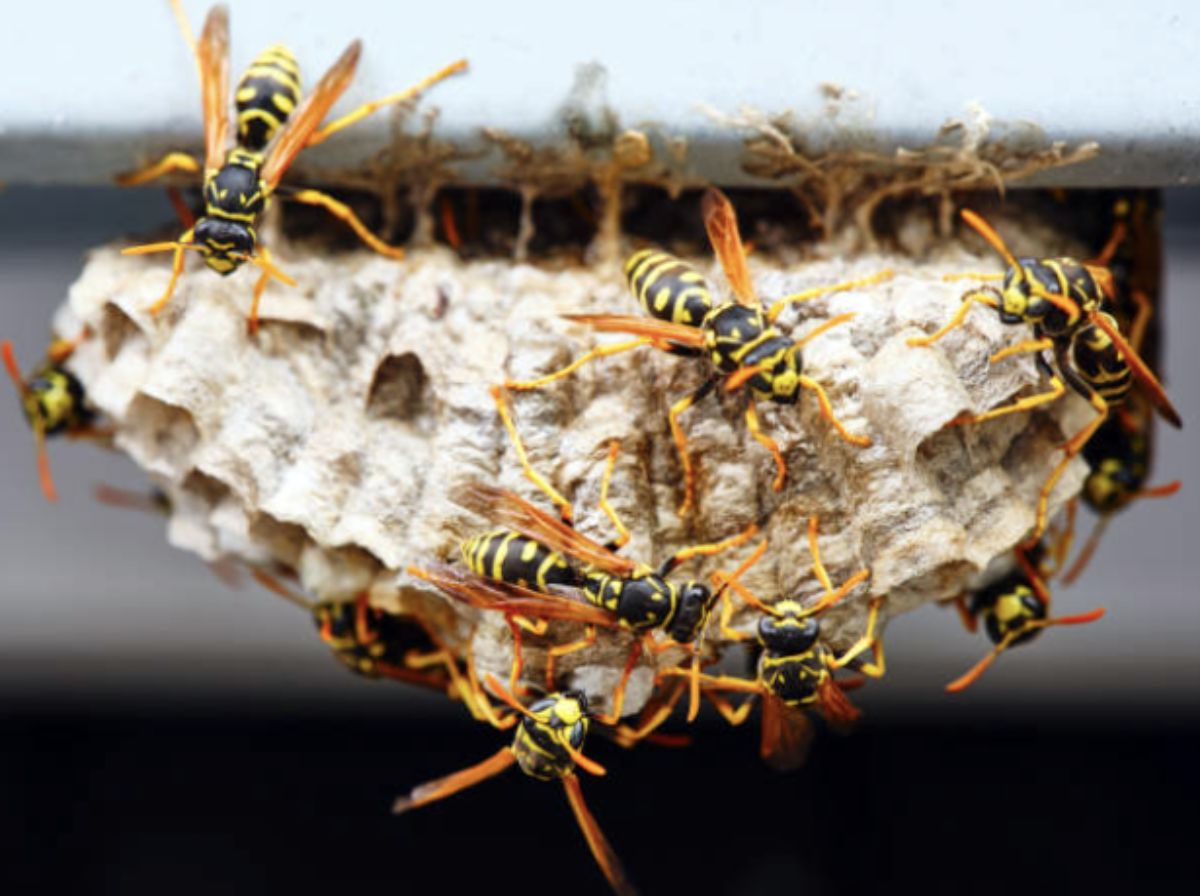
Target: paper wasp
[795, 668]
[520, 568]
[1015, 608]
[739, 338]
[1062, 298]
[54, 403]
[274, 125]
[547, 746]
[374, 643]
[1119, 455]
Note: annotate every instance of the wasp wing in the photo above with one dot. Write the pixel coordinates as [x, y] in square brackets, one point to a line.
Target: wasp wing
[660, 331]
[1150, 385]
[309, 115]
[720, 220]
[836, 707]
[513, 512]
[512, 600]
[212, 59]
[787, 734]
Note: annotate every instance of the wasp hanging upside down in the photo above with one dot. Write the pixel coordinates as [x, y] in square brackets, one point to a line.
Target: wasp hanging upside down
[1014, 609]
[547, 746]
[54, 403]
[739, 339]
[795, 669]
[521, 568]
[1063, 300]
[274, 125]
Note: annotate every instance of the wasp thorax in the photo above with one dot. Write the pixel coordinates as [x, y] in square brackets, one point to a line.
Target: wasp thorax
[695, 602]
[788, 635]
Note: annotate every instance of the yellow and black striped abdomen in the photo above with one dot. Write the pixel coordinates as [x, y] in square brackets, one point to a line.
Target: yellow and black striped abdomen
[668, 288]
[266, 96]
[506, 556]
[1098, 362]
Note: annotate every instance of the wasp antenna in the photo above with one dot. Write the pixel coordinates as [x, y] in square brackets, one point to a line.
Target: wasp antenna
[149, 248]
[985, 230]
[43, 461]
[14, 370]
[275, 586]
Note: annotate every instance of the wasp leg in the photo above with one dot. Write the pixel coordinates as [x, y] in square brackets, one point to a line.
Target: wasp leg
[565, 511]
[752, 423]
[972, 275]
[734, 716]
[1141, 319]
[561, 650]
[728, 632]
[1028, 403]
[357, 115]
[260, 286]
[600, 351]
[618, 696]
[1069, 449]
[182, 211]
[685, 461]
[1024, 347]
[706, 550]
[987, 295]
[649, 722]
[176, 272]
[878, 666]
[168, 164]
[1119, 232]
[481, 701]
[344, 213]
[827, 412]
[450, 224]
[778, 306]
[970, 623]
[622, 538]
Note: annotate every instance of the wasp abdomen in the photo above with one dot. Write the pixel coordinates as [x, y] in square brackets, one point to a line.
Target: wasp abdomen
[506, 556]
[266, 95]
[668, 288]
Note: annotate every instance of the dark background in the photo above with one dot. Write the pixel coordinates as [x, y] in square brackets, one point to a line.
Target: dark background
[159, 732]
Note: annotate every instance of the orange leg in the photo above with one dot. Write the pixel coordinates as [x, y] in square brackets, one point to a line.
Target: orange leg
[176, 272]
[767, 442]
[827, 412]
[987, 296]
[344, 213]
[618, 697]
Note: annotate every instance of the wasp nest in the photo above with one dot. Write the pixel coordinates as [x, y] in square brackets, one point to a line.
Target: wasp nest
[331, 443]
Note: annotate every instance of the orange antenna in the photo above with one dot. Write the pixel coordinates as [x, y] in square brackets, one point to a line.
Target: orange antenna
[985, 230]
[275, 586]
[588, 765]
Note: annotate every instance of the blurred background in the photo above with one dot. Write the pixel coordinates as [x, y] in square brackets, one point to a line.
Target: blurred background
[162, 731]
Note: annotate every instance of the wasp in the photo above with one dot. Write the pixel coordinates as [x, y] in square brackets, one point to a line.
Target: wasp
[520, 568]
[1063, 299]
[1015, 608]
[374, 643]
[273, 125]
[795, 667]
[54, 403]
[738, 338]
[547, 746]
[1119, 454]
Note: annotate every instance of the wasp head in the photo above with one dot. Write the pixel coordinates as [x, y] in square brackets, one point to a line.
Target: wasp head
[695, 602]
[784, 376]
[225, 245]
